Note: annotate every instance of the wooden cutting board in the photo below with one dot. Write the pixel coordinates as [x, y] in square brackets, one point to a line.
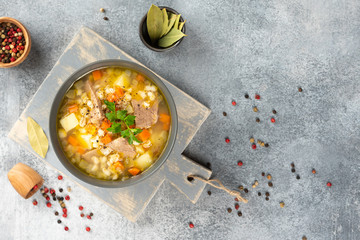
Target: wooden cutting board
[86, 47]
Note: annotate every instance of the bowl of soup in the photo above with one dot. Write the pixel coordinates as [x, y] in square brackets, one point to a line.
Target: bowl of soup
[113, 123]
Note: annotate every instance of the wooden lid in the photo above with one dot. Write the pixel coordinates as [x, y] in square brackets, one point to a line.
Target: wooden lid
[25, 180]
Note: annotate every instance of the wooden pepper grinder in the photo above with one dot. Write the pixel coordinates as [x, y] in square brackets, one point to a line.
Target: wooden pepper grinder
[25, 180]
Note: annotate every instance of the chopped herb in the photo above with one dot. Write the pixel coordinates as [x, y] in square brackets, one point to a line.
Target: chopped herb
[120, 118]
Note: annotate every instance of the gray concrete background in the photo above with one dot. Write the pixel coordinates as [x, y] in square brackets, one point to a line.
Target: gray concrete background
[233, 47]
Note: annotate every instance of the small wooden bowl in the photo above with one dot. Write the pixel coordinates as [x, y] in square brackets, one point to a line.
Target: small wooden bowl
[27, 37]
[25, 180]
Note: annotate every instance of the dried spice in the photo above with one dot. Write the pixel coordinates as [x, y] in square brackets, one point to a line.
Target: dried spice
[313, 171]
[191, 225]
[224, 114]
[263, 174]
[106, 18]
[60, 177]
[274, 111]
[37, 137]
[246, 190]
[282, 204]
[241, 187]
[88, 228]
[293, 170]
[12, 42]
[233, 103]
[292, 165]
[252, 140]
[35, 202]
[259, 194]
[270, 184]
[257, 120]
[253, 146]
[66, 228]
[229, 210]
[267, 194]
[266, 145]
[329, 184]
[237, 206]
[255, 109]
[300, 89]
[102, 10]
[227, 140]
[297, 177]
[267, 199]
[257, 96]
[273, 120]
[269, 177]
[239, 213]
[246, 96]
[209, 193]
[240, 163]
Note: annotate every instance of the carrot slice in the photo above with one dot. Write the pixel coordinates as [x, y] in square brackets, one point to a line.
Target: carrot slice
[164, 118]
[166, 126]
[73, 108]
[105, 124]
[90, 128]
[140, 78]
[144, 135]
[119, 164]
[97, 74]
[119, 92]
[73, 141]
[106, 139]
[134, 171]
[80, 150]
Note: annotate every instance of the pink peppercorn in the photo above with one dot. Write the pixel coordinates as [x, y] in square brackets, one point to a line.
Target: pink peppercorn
[253, 146]
[88, 217]
[81, 208]
[52, 191]
[60, 177]
[35, 202]
[329, 184]
[272, 120]
[65, 215]
[18, 30]
[87, 229]
[48, 204]
[12, 59]
[236, 199]
[64, 210]
[82, 215]
[257, 96]
[191, 225]
[46, 190]
[240, 163]
[227, 140]
[233, 103]
[66, 228]
[67, 198]
[237, 206]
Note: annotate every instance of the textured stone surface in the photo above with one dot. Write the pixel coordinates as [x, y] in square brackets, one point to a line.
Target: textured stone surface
[233, 47]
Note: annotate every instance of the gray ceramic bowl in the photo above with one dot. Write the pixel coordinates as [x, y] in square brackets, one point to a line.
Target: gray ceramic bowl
[53, 123]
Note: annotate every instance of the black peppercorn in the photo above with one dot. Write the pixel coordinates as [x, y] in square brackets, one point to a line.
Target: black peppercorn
[274, 111]
[54, 198]
[270, 184]
[263, 174]
[209, 193]
[56, 213]
[246, 190]
[267, 199]
[225, 114]
[239, 213]
[293, 170]
[59, 221]
[229, 210]
[259, 193]
[266, 145]
[91, 214]
[267, 194]
[292, 165]
[257, 119]
[297, 177]
[61, 190]
[300, 89]
[246, 95]
[106, 18]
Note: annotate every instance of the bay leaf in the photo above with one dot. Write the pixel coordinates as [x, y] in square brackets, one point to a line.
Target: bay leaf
[169, 39]
[181, 25]
[154, 23]
[172, 19]
[165, 22]
[37, 137]
[176, 24]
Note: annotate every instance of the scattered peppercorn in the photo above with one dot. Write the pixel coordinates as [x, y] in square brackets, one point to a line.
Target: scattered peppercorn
[52, 191]
[252, 140]
[64, 215]
[106, 18]
[54, 198]
[69, 189]
[42, 190]
[241, 187]
[269, 177]
[256, 182]
[237, 206]
[266, 145]
[293, 170]
[35, 202]
[227, 140]
[254, 186]
[61, 190]
[81, 208]
[304, 238]
[259, 194]
[88, 217]
[257, 96]
[47, 198]
[67, 197]
[282, 204]
[233, 103]
[91, 214]
[229, 210]
[255, 109]
[262, 144]
[236, 200]
[257, 119]
[267, 194]
[313, 171]
[328, 184]
[66, 228]
[88, 229]
[267, 199]
[270, 184]
[64, 210]
[239, 213]
[46, 190]
[263, 174]
[300, 89]
[48, 204]
[60, 177]
[59, 221]
[274, 111]
[209, 193]
[246, 95]
[56, 213]
[246, 190]
[240, 163]
[102, 10]
[224, 114]
[292, 165]
[297, 177]
[35, 187]
[253, 146]
[272, 120]
[258, 141]
[82, 215]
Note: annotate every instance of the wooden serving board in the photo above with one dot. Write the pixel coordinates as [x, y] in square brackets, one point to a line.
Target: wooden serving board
[86, 47]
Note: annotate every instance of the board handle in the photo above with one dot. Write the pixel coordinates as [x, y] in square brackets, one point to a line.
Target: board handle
[25, 180]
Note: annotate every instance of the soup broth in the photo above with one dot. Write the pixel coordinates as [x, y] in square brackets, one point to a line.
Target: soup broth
[113, 123]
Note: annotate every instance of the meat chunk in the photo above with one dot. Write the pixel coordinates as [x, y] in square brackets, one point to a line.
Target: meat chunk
[90, 154]
[145, 117]
[121, 145]
[96, 114]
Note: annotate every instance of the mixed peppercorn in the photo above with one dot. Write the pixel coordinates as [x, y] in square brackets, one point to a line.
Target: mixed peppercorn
[12, 42]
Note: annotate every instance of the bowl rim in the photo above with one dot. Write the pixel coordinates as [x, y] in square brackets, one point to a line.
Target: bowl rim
[27, 37]
[68, 83]
[160, 49]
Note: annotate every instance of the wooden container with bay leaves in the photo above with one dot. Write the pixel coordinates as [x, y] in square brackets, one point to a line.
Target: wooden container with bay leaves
[162, 29]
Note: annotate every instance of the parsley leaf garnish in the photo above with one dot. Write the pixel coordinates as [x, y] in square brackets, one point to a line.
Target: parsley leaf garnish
[118, 119]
